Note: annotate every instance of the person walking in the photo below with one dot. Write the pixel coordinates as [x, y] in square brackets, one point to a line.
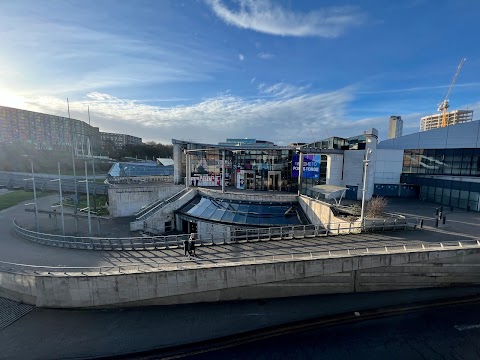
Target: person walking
[191, 245]
[185, 246]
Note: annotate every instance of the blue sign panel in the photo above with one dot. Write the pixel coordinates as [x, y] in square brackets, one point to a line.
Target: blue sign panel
[311, 166]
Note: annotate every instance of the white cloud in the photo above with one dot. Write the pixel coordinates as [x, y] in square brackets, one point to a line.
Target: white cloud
[279, 119]
[282, 90]
[241, 57]
[265, 56]
[268, 17]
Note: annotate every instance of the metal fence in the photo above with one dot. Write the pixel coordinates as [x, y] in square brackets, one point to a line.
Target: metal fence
[215, 261]
[165, 242]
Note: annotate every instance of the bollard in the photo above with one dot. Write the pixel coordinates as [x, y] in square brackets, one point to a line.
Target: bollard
[444, 220]
[421, 223]
[436, 222]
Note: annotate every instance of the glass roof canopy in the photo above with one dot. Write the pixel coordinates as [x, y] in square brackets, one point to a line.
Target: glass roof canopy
[245, 213]
[139, 169]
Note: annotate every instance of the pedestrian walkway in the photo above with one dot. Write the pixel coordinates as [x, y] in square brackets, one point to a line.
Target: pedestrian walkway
[20, 251]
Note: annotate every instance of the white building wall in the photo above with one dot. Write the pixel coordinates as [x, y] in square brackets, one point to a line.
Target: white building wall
[353, 168]
[334, 169]
[388, 166]
[127, 200]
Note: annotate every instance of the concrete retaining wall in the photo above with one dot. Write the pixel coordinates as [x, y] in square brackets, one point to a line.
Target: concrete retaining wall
[320, 213]
[127, 200]
[156, 222]
[236, 282]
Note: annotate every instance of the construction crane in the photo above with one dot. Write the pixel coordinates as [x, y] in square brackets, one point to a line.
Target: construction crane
[444, 104]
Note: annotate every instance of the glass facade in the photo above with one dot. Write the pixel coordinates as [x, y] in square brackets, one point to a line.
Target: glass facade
[464, 162]
[249, 169]
[462, 194]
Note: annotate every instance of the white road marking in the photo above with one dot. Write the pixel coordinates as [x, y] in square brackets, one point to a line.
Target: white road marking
[467, 327]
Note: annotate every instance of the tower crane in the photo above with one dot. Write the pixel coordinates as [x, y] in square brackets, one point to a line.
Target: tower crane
[444, 104]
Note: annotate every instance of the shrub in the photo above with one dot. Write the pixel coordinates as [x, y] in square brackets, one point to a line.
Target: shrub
[376, 207]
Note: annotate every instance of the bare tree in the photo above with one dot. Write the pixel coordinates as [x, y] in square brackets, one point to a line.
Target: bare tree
[376, 207]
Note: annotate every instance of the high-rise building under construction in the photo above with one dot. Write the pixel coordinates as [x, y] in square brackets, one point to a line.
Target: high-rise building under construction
[453, 117]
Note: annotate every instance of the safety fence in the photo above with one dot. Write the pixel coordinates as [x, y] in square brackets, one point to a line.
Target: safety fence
[216, 261]
[165, 242]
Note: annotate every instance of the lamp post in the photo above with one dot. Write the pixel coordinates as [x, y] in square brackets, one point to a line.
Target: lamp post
[61, 198]
[88, 202]
[364, 190]
[34, 194]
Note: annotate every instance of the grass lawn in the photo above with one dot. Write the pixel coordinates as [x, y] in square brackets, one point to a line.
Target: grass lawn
[100, 202]
[18, 196]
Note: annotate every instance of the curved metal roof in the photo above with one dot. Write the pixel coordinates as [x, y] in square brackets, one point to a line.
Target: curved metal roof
[245, 213]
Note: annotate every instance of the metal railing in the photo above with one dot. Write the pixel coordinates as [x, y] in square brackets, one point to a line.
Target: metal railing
[164, 242]
[215, 261]
[157, 205]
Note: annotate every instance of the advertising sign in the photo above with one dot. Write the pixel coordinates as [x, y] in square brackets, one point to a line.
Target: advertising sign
[311, 166]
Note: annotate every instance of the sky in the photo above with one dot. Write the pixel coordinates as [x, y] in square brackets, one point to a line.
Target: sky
[206, 70]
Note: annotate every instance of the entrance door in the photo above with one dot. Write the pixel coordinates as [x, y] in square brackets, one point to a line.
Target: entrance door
[274, 180]
[250, 180]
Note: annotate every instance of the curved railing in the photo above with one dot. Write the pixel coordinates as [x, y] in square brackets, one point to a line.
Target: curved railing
[165, 242]
[193, 263]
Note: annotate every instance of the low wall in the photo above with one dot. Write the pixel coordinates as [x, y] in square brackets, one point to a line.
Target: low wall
[320, 213]
[236, 282]
[126, 200]
[250, 196]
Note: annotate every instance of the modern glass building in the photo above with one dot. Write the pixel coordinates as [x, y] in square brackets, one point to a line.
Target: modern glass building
[443, 163]
[251, 166]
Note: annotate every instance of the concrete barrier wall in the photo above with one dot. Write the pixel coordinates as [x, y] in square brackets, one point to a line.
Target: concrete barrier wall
[210, 232]
[320, 213]
[127, 200]
[156, 222]
[229, 282]
[250, 196]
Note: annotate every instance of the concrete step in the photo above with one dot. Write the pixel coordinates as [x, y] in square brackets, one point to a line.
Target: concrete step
[11, 311]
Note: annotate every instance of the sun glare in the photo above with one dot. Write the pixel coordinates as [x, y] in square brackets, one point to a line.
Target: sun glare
[8, 98]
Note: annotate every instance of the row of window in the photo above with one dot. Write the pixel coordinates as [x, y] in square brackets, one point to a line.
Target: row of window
[442, 162]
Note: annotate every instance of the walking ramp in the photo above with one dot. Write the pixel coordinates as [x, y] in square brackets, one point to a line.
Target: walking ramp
[153, 217]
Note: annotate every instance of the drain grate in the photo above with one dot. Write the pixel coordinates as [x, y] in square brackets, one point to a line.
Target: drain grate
[11, 311]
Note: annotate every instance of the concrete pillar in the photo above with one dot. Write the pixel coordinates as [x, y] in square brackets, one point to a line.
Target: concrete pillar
[178, 176]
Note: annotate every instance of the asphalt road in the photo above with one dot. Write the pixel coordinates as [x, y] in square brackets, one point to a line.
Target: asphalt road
[73, 334]
[451, 332]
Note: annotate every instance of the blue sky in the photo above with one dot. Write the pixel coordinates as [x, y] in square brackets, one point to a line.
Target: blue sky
[205, 70]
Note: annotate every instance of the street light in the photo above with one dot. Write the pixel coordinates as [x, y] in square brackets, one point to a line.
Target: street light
[88, 202]
[364, 190]
[61, 198]
[34, 194]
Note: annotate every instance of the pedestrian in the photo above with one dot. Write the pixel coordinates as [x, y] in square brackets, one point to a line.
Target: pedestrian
[196, 182]
[185, 246]
[191, 245]
[193, 182]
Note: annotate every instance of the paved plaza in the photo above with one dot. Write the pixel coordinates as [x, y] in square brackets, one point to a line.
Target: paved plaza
[461, 225]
